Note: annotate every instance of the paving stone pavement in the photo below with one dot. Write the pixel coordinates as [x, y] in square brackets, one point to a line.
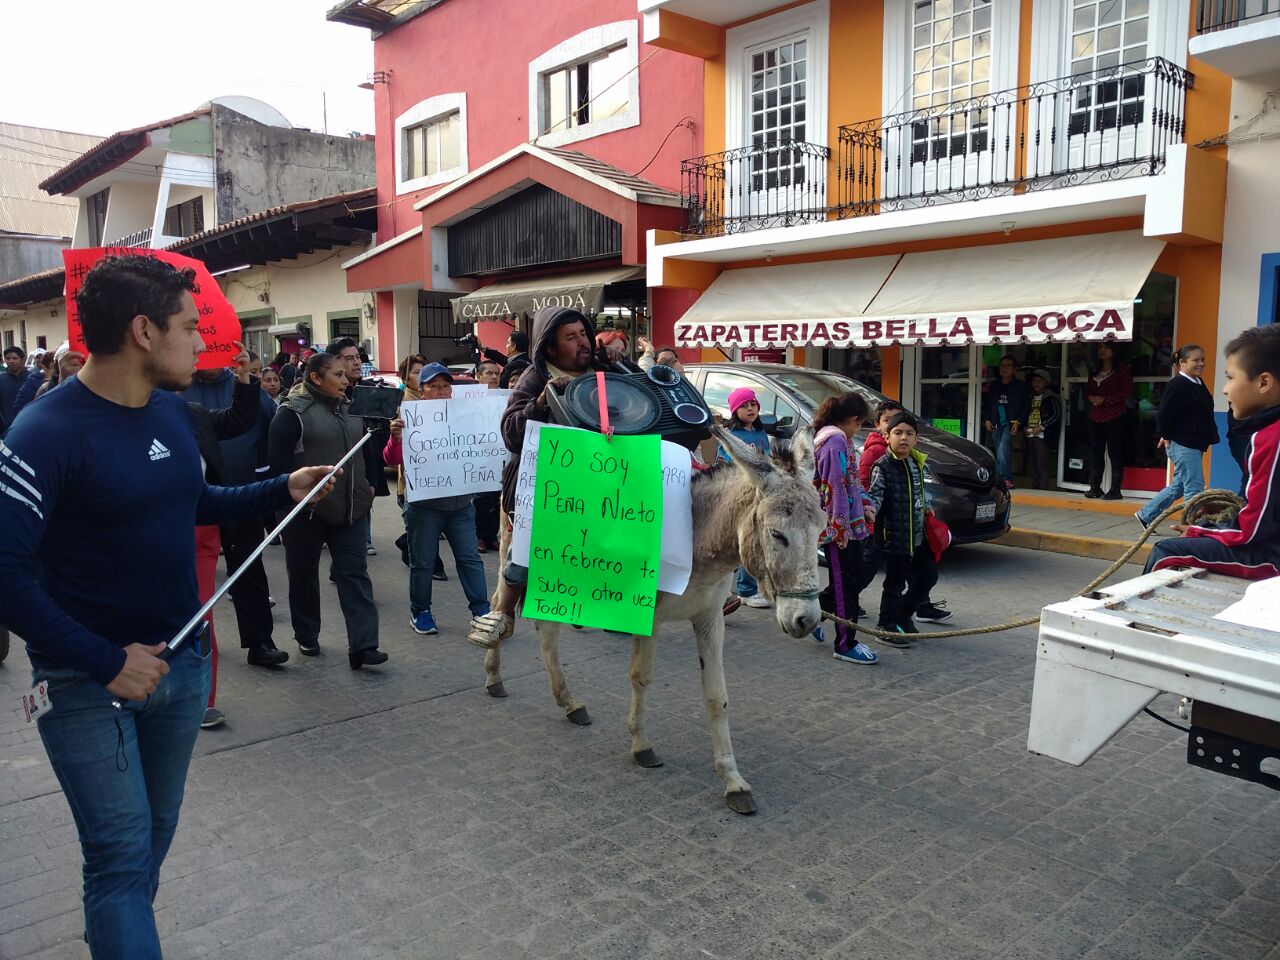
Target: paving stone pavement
[402, 813]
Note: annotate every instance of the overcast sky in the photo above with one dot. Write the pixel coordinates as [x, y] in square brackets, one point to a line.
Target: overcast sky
[93, 66]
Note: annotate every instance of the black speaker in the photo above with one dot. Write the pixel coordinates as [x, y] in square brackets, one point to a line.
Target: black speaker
[658, 400]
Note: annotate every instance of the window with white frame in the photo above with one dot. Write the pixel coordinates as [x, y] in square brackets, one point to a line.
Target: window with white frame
[431, 142]
[586, 92]
[951, 57]
[1104, 35]
[778, 110]
[586, 86]
[432, 147]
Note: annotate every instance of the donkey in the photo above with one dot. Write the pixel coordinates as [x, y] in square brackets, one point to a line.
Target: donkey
[758, 512]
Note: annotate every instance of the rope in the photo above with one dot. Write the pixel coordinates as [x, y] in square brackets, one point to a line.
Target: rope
[1215, 503]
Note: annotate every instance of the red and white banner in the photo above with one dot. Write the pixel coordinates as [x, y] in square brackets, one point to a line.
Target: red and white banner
[1089, 321]
[219, 325]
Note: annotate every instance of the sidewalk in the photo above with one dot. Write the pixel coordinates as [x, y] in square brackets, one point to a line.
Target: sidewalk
[1068, 523]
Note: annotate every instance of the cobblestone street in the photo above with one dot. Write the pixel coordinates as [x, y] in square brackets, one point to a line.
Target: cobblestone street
[399, 812]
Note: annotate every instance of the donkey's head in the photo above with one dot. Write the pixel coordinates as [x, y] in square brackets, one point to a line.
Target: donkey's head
[778, 532]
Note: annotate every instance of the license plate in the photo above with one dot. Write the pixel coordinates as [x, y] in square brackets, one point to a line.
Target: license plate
[986, 511]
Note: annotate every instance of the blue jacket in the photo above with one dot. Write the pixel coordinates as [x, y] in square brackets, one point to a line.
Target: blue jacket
[756, 438]
[244, 457]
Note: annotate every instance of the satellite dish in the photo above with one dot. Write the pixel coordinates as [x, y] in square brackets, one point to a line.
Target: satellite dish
[253, 108]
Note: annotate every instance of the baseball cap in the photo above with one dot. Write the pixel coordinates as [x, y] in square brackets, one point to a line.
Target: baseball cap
[433, 370]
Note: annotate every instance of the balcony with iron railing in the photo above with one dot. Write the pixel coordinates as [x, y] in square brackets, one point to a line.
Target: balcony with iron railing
[775, 184]
[1093, 127]
[1214, 15]
[1105, 125]
[139, 238]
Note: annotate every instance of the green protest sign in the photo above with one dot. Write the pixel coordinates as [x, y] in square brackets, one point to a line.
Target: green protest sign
[596, 540]
[955, 426]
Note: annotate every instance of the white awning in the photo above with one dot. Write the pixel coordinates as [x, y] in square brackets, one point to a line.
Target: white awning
[1070, 288]
[512, 298]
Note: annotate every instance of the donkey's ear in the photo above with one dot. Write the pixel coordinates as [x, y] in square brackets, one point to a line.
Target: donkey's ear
[802, 452]
[744, 456]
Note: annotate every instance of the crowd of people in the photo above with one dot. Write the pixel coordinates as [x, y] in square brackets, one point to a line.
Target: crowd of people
[137, 458]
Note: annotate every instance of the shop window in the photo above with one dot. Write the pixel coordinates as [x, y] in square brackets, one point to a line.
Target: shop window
[862, 364]
[344, 327]
[586, 86]
[431, 142]
[185, 219]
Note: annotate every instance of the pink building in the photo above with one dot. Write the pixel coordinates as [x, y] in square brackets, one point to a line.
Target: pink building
[523, 152]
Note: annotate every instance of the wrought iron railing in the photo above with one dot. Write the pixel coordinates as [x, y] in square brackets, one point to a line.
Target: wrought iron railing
[139, 238]
[1214, 15]
[749, 188]
[1105, 125]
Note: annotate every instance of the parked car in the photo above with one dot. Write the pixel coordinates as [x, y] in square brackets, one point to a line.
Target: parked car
[960, 474]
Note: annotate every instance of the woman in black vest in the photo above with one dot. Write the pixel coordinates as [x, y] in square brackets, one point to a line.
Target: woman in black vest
[312, 427]
[1187, 430]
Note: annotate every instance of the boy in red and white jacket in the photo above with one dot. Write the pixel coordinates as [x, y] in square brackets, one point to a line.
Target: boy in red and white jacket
[1250, 548]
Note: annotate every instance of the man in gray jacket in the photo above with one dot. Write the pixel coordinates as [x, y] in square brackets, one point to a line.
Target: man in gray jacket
[425, 520]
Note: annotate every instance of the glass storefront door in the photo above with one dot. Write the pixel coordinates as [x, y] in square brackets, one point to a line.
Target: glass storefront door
[945, 386]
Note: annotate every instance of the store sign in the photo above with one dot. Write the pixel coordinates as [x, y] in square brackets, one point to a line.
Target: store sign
[1092, 321]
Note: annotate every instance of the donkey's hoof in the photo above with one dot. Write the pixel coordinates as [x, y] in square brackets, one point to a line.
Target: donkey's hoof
[580, 717]
[647, 758]
[498, 690]
[740, 801]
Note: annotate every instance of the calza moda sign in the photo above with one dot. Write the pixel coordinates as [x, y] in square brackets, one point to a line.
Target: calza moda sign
[1106, 321]
[219, 326]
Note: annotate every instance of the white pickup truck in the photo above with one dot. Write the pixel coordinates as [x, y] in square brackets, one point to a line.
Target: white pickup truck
[1102, 658]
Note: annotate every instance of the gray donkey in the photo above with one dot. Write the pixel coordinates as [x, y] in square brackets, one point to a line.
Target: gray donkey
[758, 512]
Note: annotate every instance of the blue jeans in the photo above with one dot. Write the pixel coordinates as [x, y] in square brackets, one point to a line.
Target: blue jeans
[423, 523]
[746, 585]
[1002, 440]
[1188, 480]
[123, 772]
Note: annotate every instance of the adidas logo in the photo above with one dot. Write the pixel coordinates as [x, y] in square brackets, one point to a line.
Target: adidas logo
[158, 450]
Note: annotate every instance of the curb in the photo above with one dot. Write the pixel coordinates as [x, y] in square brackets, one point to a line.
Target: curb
[1092, 547]
[1119, 508]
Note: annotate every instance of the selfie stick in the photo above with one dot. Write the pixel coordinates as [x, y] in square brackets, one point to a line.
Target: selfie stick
[184, 634]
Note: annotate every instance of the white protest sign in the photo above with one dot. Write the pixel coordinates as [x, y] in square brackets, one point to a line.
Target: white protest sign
[677, 510]
[466, 391]
[453, 446]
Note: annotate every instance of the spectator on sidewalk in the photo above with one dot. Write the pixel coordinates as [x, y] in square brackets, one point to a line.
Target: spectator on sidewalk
[1004, 410]
[1187, 429]
[97, 571]
[313, 426]
[426, 520]
[1043, 418]
[1109, 391]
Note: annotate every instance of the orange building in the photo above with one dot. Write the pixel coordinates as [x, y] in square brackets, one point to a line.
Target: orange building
[908, 190]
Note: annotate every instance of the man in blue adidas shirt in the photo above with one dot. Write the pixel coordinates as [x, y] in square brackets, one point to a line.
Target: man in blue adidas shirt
[100, 488]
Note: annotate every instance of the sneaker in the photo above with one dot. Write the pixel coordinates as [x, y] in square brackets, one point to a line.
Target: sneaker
[906, 626]
[1113, 495]
[369, 550]
[439, 576]
[1138, 516]
[757, 600]
[897, 639]
[424, 623]
[213, 717]
[861, 613]
[310, 649]
[818, 635]
[933, 612]
[858, 653]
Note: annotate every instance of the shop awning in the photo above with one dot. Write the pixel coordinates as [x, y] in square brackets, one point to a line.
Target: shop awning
[283, 329]
[512, 298]
[1071, 288]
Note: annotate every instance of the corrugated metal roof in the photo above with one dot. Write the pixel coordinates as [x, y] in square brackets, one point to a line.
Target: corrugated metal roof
[27, 156]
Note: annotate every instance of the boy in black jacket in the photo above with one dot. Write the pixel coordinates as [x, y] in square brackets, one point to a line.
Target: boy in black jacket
[1250, 547]
[897, 503]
